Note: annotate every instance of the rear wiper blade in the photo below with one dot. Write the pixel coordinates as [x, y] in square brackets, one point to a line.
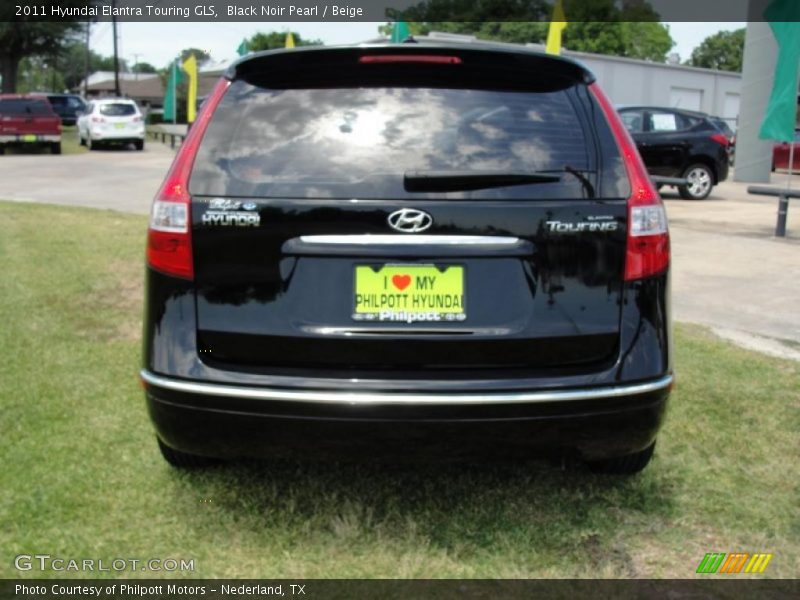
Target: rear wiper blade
[458, 181]
[587, 185]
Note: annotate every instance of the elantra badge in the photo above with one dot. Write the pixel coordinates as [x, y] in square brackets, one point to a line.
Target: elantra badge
[410, 220]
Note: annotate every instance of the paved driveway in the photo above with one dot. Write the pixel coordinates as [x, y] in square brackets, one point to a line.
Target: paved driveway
[729, 272]
[123, 180]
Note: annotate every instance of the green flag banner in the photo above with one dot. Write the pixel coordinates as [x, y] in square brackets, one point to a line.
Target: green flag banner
[399, 32]
[781, 115]
[170, 98]
[243, 48]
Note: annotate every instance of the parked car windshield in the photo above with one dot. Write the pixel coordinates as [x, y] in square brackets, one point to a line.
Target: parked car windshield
[16, 107]
[360, 141]
[121, 109]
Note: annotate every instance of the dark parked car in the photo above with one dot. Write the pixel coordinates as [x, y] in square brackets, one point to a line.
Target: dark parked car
[415, 248]
[67, 106]
[28, 121]
[729, 133]
[781, 153]
[679, 143]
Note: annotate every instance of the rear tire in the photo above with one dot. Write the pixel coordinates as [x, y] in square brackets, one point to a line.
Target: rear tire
[2, 150]
[629, 464]
[183, 460]
[55, 148]
[90, 144]
[701, 181]
[139, 144]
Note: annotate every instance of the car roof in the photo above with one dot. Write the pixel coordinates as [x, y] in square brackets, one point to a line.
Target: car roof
[21, 97]
[53, 94]
[685, 111]
[565, 66]
[112, 100]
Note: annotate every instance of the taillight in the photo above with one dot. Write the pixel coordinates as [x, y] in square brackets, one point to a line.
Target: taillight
[435, 59]
[169, 237]
[137, 118]
[98, 120]
[648, 236]
[720, 139]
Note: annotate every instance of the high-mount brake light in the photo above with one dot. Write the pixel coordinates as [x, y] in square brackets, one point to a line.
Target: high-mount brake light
[433, 59]
[647, 250]
[169, 237]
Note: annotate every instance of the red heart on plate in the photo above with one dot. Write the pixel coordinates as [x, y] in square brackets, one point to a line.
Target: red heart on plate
[401, 282]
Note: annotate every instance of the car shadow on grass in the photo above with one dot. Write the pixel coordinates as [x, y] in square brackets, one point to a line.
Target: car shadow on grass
[532, 508]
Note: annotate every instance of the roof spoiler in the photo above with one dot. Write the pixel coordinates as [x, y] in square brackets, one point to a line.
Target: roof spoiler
[515, 58]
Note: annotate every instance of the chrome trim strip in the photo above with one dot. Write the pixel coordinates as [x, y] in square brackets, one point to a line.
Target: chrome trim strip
[408, 399]
[408, 239]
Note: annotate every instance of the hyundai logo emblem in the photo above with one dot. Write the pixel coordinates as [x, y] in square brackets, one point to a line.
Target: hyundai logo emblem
[409, 220]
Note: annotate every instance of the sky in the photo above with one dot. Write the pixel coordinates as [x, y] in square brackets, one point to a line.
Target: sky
[158, 43]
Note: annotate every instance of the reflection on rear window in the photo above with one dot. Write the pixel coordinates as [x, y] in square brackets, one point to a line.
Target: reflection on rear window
[24, 107]
[117, 110]
[358, 142]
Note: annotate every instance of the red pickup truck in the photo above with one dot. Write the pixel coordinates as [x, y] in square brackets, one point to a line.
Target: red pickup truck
[28, 121]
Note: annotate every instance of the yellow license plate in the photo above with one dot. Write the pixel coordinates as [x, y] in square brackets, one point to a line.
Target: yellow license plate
[409, 293]
[119, 125]
[29, 138]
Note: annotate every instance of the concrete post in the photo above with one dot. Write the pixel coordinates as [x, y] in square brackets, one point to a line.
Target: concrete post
[754, 156]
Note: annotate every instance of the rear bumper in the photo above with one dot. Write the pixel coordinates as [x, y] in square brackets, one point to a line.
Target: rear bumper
[723, 168]
[375, 398]
[40, 138]
[116, 136]
[231, 421]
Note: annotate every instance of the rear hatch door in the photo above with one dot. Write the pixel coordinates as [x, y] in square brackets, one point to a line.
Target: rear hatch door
[464, 213]
[28, 118]
[119, 118]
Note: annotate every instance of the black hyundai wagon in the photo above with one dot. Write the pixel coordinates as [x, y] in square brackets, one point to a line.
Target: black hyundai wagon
[416, 247]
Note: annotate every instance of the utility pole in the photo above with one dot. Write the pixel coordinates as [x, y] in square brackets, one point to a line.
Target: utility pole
[136, 64]
[87, 65]
[117, 92]
[54, 68]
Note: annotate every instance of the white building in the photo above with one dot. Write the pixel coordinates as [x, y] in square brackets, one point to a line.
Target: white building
[641, 82]
[630, 81]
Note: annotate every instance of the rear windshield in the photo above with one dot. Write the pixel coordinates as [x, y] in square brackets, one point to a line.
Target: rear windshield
[25, 107]
[359, 142]
[117, 110]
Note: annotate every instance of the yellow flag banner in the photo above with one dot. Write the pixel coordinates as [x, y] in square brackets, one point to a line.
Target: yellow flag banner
[289, 40]
[190, 67]
[557, 25]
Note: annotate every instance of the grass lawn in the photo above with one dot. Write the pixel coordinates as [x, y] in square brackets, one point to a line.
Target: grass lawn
[69, 141]
[82, 477]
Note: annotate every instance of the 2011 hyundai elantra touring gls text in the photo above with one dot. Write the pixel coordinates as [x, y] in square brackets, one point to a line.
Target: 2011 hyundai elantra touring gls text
[411, 246]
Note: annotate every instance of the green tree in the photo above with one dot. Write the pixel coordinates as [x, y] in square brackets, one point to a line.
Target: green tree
[23, 39]
[723, 50]
[644, 40]
[277, 39]
[200, 55]
[143, 67]
[598, 26]
[64, 71]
